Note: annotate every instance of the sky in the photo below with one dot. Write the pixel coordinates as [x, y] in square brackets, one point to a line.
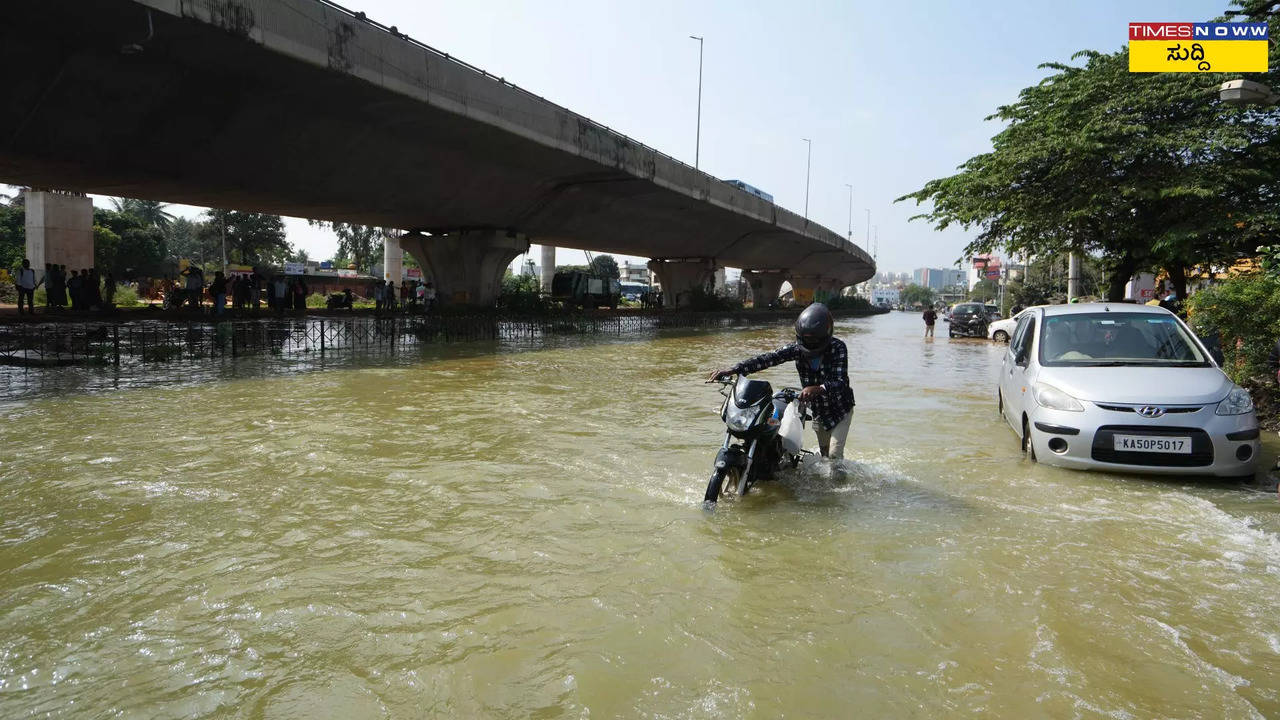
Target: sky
[891, 95]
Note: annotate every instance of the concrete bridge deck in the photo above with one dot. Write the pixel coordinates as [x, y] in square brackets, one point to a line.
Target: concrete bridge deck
[300, 108]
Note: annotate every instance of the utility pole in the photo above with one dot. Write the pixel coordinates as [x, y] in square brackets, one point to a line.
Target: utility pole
[808, 165]
[1073, 276]
[850, 211]
[868, 226]
[224, 242]
[697, 147]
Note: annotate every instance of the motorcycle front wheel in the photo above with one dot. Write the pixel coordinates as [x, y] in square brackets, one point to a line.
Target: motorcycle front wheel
[723, 482]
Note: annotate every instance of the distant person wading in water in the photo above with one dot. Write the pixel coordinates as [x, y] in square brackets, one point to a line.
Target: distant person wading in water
[930, 317]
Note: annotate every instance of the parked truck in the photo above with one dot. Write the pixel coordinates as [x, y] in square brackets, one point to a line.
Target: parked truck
[579, 289]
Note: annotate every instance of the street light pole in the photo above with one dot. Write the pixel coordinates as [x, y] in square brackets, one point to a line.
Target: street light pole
[868, 227]
[808, 165]
[850, 211]
[697, 146]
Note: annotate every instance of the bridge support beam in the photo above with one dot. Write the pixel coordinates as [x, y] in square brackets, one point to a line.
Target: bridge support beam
[59, 230]
[765, 286]
[682, 277]
[392, 258]
[466, 266]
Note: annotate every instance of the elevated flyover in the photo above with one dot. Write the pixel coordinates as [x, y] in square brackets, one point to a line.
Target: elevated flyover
[302, 108]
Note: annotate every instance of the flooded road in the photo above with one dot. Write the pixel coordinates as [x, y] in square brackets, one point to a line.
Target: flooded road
[511, 531]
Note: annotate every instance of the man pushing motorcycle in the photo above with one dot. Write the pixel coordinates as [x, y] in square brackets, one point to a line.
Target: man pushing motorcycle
[823, 363]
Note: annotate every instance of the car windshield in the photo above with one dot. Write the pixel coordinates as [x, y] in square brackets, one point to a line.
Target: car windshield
[967, 309]
[1117, 338]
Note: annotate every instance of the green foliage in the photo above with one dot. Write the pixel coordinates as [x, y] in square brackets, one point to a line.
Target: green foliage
[985, 290]
[148, 213]
[124, 245]
[851, 303]
[127, 296]
[512, 283]
[606, 266]
[187, 242]
[1245, 312]
[521, 293]
[361, 243]
[702, 300]
[13, 236]
[252, 238]
[1145, 169]
[913, 295]
[317, 300]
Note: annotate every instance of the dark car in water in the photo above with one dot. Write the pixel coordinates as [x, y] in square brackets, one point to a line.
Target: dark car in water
[969, 320]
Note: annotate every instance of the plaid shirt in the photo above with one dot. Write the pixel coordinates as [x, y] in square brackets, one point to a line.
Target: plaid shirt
[832, 373]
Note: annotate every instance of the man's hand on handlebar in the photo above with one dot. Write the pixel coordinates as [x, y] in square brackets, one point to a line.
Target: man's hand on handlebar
[811, 393]
[718, 375]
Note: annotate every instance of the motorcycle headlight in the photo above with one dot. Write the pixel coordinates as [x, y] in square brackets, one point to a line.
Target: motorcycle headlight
[1048, 396]
[1237, 402]
[740, 419]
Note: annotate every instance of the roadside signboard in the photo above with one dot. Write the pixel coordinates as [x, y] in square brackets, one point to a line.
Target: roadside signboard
[295, 268]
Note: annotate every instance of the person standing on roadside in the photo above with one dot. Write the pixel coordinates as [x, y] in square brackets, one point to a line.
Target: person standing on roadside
[195, 285]
[218, 289]
[50, 275]
[26, 282]
[109, 292]
[930, 317]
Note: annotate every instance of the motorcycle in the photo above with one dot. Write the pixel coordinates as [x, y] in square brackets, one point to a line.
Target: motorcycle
[763, 431]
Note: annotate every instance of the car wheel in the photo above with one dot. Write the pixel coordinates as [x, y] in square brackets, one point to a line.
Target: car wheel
[1000, 336]
[1027, 446]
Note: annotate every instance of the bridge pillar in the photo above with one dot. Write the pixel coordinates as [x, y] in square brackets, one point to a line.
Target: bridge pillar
[548, 266]
[59, 230]
[681, 277]
[829, 288]
[765, 285]
[466, 266]
[805, 289]
[392, 259]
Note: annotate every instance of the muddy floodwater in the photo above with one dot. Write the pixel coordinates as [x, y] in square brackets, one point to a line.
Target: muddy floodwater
[490, 530]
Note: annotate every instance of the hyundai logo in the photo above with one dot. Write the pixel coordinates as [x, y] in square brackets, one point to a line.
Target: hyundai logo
[1150, 411]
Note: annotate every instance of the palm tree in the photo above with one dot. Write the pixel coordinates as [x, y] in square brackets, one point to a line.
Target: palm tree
[151, 213]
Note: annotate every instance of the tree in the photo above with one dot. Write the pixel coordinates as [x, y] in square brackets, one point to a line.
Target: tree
[13, 236]
[188, 240]
[252, 238]
[360, 243]
[985, 290]
[1145, 169]
[299, 255]
[605, 265]
[149, 212]
[124, 244]
[913, 295]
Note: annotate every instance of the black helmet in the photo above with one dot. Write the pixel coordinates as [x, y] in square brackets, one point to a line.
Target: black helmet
[814, 329]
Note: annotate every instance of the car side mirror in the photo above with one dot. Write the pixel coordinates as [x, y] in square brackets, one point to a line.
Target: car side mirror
[1020, 356]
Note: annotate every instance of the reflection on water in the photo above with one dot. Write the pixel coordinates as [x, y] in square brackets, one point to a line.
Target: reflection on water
[516, 530]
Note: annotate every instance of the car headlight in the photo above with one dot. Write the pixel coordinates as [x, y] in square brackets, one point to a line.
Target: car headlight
[1237, 402]
[1048, 396]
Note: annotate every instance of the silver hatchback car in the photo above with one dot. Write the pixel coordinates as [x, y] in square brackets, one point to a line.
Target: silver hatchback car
[1126, 388]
